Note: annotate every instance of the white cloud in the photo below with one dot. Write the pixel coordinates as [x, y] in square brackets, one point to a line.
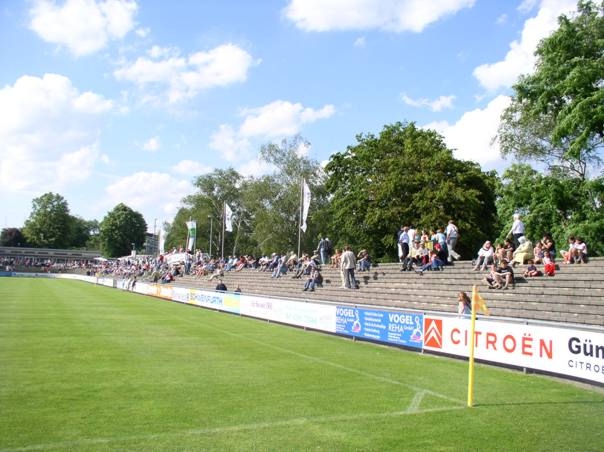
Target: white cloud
[527, 5]
[438, 104]
[139, 191]
[278, 119]
[83, 26]
[359, 42]
[142, 32]
[162, 52]
[389, 15]
[48, 133]
[255, 168]
[229, 143]
[281, 118]
[190, 168]
[520, 58]
[152, 144]
[184, 77]
[303, 149]
[471, 135]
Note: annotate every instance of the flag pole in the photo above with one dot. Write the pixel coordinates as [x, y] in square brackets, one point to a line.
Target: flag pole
[188, 233]
[471, 357]
[300, 216]
[223, 223]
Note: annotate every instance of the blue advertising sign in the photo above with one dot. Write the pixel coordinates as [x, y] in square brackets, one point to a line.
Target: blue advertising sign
[398, 328]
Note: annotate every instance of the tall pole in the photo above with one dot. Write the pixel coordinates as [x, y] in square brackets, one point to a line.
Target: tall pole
[300, 216]
[155, 238]
[471, 353]
[223, 224]
[210, 247]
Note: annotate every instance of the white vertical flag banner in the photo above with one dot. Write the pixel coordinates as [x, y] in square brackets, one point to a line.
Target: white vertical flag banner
[228, 218]
[191, 235]
[306, 205]
[162, 240]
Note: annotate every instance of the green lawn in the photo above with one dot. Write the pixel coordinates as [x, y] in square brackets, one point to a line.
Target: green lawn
[84, 367]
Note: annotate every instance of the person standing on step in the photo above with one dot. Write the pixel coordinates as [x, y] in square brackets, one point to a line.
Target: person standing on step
[451, 233]
[403, 242]
[517, 230]
[322, 248]
[348, 265]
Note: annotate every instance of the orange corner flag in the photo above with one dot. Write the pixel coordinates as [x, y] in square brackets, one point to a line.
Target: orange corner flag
[479, 303]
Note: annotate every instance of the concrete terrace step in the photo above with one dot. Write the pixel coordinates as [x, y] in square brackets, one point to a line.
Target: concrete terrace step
[575, 294]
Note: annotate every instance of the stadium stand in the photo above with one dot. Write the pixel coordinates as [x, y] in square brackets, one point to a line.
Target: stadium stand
[574, 295]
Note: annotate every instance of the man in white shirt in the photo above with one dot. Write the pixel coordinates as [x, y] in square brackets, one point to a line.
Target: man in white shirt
[347, 265]
[517, 230]
[452, 233]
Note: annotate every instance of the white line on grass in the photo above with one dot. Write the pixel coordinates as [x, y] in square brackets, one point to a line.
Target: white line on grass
[227, 429]
[323, 361]
[412, 409]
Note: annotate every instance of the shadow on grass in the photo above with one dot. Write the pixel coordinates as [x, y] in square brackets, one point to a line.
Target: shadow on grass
[573, 402]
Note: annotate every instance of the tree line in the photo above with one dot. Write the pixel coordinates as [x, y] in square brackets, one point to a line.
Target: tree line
[51, 225]
[405, 175]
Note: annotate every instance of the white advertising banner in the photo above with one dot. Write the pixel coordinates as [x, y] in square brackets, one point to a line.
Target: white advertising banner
[316, 316]
[573, 352]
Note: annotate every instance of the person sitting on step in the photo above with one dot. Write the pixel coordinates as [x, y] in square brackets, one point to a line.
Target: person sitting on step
[531, 270]
[579, 252]
[314, 279]
[435, 264]
[504, 276]
[485, 256]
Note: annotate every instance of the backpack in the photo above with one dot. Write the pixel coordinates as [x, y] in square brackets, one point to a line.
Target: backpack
[549, 269]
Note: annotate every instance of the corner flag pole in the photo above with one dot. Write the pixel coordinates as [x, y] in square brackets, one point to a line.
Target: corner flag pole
[300, 216]
[471, 357]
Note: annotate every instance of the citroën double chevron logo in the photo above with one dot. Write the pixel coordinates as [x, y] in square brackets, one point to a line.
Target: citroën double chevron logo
[433, 333]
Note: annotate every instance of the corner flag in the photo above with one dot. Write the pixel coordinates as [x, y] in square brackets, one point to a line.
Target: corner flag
[477, 303]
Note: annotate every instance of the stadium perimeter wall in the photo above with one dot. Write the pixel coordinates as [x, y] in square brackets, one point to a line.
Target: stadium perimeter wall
[566, 350]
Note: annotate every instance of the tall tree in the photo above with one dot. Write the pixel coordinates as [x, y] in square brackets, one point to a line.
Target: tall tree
[121, 229]
[49, 224]
[553, 203]
[84, 232]
[277, 210]
[12, 237]
[407, 175]
[265, 208]
[206, 207]
[557, 113]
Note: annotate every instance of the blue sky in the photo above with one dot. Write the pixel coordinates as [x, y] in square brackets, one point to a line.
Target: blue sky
[109, 101]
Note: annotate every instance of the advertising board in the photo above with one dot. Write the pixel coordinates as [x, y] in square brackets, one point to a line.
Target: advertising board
[573, 352]
[392, 327]
[320, 317]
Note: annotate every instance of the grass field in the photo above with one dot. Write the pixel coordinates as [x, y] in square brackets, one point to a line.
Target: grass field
[84, 367]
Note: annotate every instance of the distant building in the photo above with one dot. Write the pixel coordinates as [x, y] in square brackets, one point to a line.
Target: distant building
[151, 245]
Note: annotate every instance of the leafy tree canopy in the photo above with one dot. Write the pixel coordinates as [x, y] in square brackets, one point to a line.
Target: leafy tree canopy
[553, 203]
[12, 237]
[277, 214]
[407, 176]
[557, 113]
[50, 223]
[121, 229]
[265, 208]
